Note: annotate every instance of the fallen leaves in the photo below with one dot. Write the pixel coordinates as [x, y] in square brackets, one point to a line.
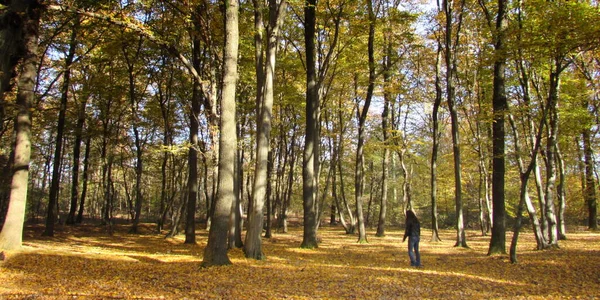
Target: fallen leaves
[81, 262]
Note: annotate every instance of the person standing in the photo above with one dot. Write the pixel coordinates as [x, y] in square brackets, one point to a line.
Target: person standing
[413, 232]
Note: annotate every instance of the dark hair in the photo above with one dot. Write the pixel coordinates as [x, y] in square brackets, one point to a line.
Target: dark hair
[411, 217]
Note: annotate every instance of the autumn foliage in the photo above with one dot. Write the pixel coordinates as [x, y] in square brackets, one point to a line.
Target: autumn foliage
[87, 262]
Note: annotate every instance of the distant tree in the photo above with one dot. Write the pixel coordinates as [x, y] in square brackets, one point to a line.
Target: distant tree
[60, 128]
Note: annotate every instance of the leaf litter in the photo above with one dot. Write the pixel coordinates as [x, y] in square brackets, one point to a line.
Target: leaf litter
[84, 262]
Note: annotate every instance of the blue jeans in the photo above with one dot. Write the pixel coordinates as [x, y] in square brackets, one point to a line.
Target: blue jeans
[413, 251]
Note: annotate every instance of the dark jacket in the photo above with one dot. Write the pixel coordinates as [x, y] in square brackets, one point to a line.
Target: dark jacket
[413, 229]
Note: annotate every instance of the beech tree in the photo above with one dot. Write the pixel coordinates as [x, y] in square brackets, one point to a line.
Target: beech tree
[264, 108]
[215, 253]
[310, 154]
[454, 23]
[20, 31]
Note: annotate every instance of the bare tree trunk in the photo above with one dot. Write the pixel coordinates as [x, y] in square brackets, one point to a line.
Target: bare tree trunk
[60, 127]
[138, 140]
[78, 129]
[192, 184]
[538, 225]
[362, 118]
[590, 182]
[385, 120]
[450, 47]
[310, 154]
[86, 165]
[550, 156]
[215, 253]
[26, 16]
[524, 194]
[435, 235]
[253, 245]
[339, 145]
[562, 195]
[165, 108]
[500, 107]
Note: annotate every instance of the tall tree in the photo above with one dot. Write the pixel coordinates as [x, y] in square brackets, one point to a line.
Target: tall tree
[362, 118]
[131, 57]
[215, 253]
[435, 116]
[78, 128]
[500, 105]
[60, 128]
[589, 182]
[20, 34]
[253, 248]
[450, 47]
[194, 115]
[310, 156]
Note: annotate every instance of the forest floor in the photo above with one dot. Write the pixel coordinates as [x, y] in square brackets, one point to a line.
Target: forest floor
[85, 262]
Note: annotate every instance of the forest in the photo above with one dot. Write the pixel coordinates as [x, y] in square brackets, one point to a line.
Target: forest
[240, 119]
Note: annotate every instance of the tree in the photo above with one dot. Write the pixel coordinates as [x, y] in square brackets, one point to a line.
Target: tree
[140, 138]
[435, 116]
[500, 105]
[78, 132]
[194, 115]
[21, 35]
[586, 67]
[310, 155]
[450, 47]
[362, 118]
[253, 247]
[215, 253]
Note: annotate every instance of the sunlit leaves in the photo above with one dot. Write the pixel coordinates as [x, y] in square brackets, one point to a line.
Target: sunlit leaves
[86, 262]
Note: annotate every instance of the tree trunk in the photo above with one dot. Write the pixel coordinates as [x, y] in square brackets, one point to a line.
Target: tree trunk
[27, 15]
[236, 222]
[450, 48]
[385, 119]
[165, 108]
[138, 141]
[78, 129]
[550, 157]
[435, 234]
[533, 138]
[215, 253]
[86, 165]
[590, 182]
[362, 118]
[310, 155]
[524, 194]
[60, 127]
[562, 195]
[192, 186]
[253, 246]
[269, 196]
[500, 106]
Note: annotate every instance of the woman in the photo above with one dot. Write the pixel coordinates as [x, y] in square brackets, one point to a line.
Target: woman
[413, 232]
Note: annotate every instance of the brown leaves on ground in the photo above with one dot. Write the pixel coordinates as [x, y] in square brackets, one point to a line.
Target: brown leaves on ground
[84, 262]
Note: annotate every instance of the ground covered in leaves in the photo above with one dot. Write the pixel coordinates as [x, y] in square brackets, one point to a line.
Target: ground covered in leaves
[87, 262]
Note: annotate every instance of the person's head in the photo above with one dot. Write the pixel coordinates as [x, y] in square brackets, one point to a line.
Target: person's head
[410, 216]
